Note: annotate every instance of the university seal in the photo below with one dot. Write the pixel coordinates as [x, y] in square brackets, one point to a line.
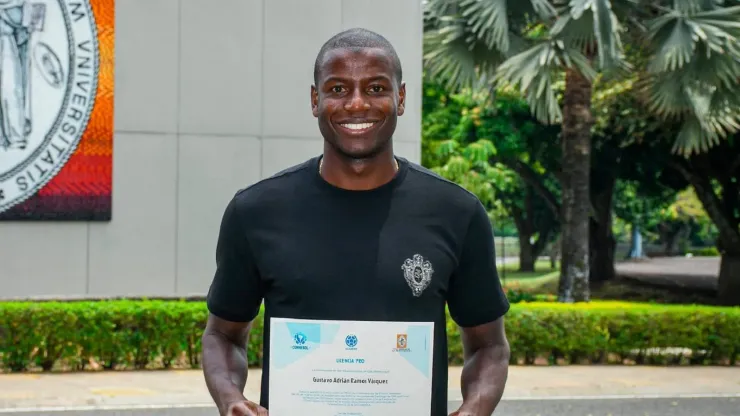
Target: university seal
[49, 66]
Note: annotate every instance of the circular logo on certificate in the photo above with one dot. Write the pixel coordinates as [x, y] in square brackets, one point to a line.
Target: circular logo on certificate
[351, 340]
[48, 80]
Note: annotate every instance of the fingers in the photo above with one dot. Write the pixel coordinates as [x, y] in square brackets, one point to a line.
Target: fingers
[246, 408]
[239, 409]
[256, 409]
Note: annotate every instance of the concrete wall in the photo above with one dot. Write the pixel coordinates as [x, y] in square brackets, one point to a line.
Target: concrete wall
[211, 96]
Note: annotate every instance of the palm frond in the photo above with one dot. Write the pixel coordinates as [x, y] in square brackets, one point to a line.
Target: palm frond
[592, 26]
[692, 138]
[455, 58]
[465, 40]
[693, 6]
[678, 36]
[542, 9]
[488, 21]
[533, 72]
[694, 72]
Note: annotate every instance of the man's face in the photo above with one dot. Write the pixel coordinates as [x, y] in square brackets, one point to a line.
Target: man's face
[357, 101]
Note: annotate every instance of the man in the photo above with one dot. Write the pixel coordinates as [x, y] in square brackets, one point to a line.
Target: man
[328, 239]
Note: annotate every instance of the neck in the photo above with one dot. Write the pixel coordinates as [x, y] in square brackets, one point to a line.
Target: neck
[358, 174]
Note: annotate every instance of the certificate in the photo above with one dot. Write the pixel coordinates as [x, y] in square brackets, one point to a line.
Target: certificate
[350, 368]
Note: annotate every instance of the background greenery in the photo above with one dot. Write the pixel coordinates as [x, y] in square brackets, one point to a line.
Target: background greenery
[126, 334]
[619, 119]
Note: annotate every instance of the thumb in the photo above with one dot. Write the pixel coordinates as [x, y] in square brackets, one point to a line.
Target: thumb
[239, 409]
[256, 409]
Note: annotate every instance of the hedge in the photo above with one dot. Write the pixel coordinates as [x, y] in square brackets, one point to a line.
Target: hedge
[126, 334]
[705, 252]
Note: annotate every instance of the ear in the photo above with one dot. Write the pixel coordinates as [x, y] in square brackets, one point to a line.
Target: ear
[314, 101]
[401, 99]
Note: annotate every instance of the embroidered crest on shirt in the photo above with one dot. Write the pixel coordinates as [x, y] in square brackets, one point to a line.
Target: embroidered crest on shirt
[418, 273]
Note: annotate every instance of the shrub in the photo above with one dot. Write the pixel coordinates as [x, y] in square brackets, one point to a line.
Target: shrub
[704, 252]
[126, 334]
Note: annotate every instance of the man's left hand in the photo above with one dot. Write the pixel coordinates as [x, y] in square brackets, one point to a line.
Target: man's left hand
[463, 413]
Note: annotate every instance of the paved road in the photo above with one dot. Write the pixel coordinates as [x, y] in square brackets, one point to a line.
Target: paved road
[623, 407]
[714, 406]
[700, 273]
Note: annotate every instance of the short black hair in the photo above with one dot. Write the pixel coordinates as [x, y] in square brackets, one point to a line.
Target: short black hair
[357, 38]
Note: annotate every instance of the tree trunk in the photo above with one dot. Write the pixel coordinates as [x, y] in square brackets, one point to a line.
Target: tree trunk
[636, 249]
[576, 141]
[523, 220]
[603, 247]
[729, 279]
[729, 234]
[526, 254]
[668, 236]
[603, 244]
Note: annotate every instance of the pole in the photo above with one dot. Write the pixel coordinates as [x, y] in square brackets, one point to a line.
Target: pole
[503, 258]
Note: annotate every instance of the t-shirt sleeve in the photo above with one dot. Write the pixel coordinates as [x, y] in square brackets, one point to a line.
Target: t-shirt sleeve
[236, 291]
[475, 294]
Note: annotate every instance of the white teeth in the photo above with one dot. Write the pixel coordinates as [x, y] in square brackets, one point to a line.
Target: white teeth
[360, 126]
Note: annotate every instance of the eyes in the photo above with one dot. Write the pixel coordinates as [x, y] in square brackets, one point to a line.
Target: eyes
[373, 89]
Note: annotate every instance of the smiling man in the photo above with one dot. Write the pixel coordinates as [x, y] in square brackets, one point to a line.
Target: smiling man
[356, 253]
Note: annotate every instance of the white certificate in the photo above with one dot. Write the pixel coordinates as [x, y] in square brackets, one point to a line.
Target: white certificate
[350, 368]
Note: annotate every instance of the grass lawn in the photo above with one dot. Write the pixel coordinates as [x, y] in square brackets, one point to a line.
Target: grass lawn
[506, 246]
[543, 274]
[544, 281]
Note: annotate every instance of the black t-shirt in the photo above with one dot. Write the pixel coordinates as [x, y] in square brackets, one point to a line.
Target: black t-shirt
[310, 250]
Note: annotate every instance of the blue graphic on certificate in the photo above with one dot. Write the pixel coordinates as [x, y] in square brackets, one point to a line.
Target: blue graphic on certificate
[350, 368]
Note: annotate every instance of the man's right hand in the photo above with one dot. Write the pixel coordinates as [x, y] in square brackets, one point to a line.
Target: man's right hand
[245, 408]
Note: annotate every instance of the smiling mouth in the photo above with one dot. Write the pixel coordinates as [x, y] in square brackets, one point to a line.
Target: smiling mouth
[357, 128]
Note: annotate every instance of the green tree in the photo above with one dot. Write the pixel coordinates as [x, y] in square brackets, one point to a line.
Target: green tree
[458, 129]
[451, 149]
[649, 205]
[691, 73]
[679, 220]
[715, 178]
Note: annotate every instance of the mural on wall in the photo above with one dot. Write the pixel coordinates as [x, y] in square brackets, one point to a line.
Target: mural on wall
[56, 109]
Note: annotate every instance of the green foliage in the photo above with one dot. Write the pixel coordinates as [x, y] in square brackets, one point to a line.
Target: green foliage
[705, 252]
[688, 212]
[685, 207]
[478, 140]
[452, 149]
[682, 56]
[483, 130]
[131, 334]
[619, 331]
[665, 215]
[638, 206]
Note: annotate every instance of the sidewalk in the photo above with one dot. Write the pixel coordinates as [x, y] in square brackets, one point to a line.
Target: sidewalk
[188, 388]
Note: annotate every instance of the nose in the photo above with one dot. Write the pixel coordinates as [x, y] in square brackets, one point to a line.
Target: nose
[356, 102]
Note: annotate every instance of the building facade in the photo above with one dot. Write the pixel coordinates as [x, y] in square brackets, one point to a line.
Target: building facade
[210, 97]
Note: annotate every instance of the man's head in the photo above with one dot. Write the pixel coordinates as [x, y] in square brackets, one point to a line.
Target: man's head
[358, 92]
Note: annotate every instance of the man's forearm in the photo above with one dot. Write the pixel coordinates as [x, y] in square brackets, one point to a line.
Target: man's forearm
[483, 380]
[225, 369]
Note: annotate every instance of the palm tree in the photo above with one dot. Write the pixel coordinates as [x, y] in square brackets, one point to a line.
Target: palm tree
[683, 53]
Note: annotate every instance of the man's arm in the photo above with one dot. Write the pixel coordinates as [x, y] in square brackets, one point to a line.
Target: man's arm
[233, 300]
[225, 360]
[477, 303]
[486, 368]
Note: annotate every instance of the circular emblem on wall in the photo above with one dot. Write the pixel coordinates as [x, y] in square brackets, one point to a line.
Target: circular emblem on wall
[49, 63]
